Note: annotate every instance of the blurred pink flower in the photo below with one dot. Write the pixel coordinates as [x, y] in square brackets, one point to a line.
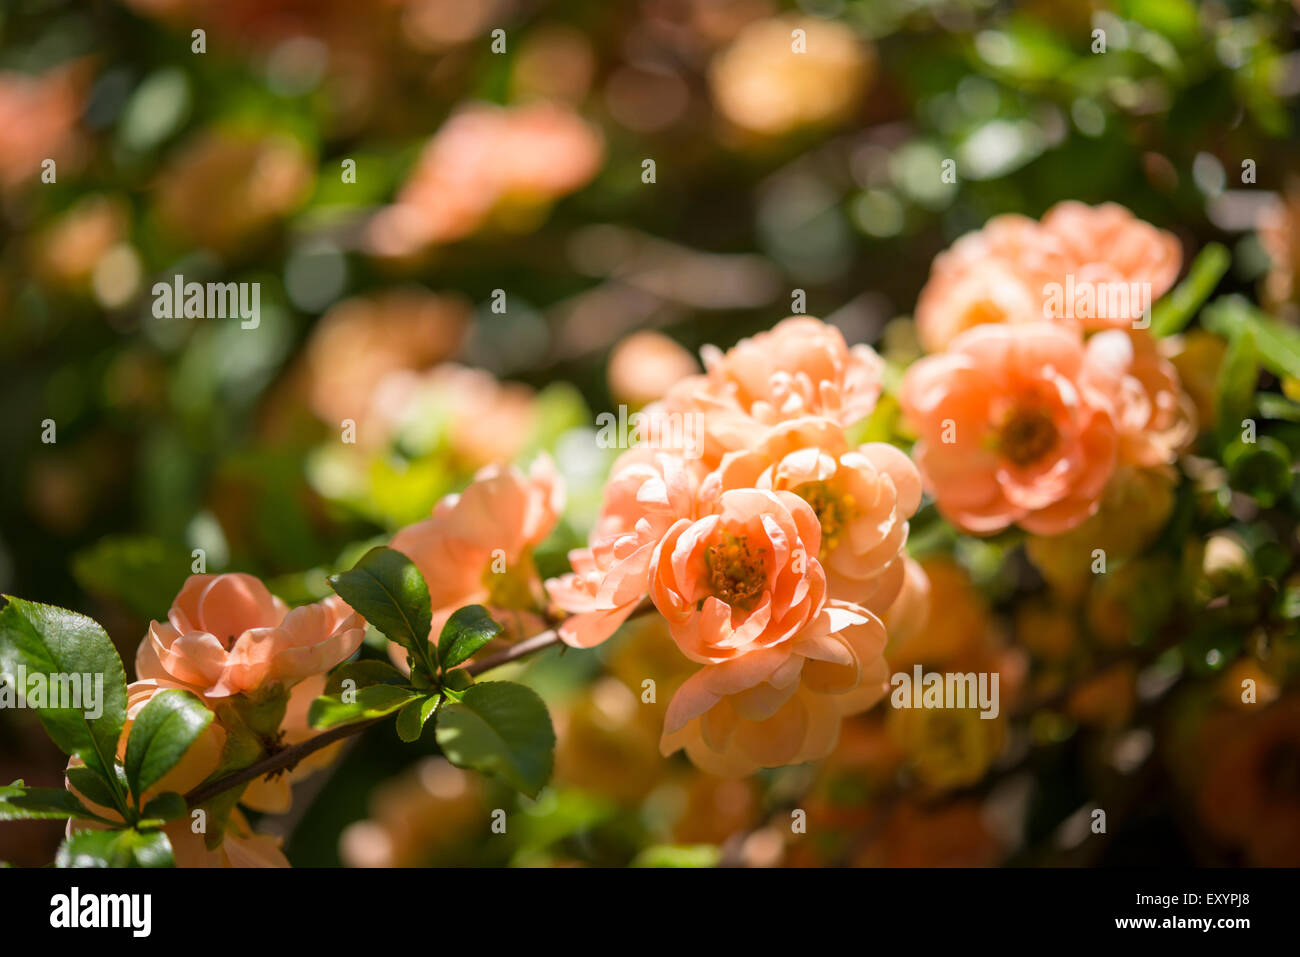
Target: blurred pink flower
[488, 160]
[1011, 430]
[38, 117]
[1009, 271]
[1156, 419]
[800, 367]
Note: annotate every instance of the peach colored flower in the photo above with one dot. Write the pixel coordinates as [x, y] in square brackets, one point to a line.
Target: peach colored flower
[38, 120]
[69, 249]
[363, 339]
[1107, 244]
[862, 498]
[1010, 271]
[742, 581]
[227, 635]
[645, 365]
[226, 186]
[1246, 795]
[763, 85]
[486, 160]
[1155, 418]
[783, 704]
[240, 847]
[909, 613]
[1010, 429]
[477, 546]
[991, 276]
[647, 492]
[800, 367]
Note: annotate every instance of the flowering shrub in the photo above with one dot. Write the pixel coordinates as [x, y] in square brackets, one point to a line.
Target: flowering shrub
[410, 444]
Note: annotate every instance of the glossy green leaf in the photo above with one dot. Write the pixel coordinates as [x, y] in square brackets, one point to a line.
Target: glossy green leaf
[21, 803]
[388, 591]
[160, 736]
[52, 641]
[364, 704]
[413, 716]
[466, 631]
[500, 728]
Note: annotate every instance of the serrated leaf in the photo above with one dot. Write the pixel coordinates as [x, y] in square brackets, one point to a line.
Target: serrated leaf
[53, 641]
[21, 803]
[374, 701]
[160, 736]
[413, 715]
[386, 589]
[500, 728]
[466, 631]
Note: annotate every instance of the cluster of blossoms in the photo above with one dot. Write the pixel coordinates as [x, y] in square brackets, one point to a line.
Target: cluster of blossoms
[771, 548]
[770, 544]
[257, 665]
[488, 163]
[1024, 412]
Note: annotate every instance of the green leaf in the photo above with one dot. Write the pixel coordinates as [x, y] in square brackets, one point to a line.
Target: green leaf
[1172, 313]
[467, 630]
[411, 719]
[1278, 343]
[51, 641]
[1234, 397]
[21, 803]
[128, 848]
[167, 806]
[388, 591]
[363, 674]
[1261, 469]
[374, 701]
[161, 734]
[500, 728]
[93, 787]
[679, 855]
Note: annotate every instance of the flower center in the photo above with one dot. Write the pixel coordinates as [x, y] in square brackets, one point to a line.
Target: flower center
[833, 510]
[1027, 434]
[509, 584]
[736, 570]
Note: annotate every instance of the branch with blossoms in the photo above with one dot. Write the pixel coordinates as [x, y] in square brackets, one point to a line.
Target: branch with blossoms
[763, 522]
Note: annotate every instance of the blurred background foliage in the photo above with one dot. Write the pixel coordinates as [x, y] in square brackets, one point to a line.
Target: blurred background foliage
[821, 174]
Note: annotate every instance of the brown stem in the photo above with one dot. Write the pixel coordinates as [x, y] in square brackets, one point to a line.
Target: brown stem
[288, 758]
[279, 761]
